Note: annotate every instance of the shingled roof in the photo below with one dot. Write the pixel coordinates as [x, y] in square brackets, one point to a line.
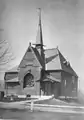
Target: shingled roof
[29, 58]
[56, 61]
[52, 59]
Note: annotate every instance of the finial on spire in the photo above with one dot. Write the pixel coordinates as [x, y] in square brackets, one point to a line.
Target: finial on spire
[57, 46]
[39, 9]
[29, 43]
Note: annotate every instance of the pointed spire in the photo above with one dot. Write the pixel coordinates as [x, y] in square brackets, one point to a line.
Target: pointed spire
[39, 40]
[39, 16]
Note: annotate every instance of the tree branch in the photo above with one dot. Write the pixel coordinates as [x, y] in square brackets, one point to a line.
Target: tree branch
[5, 56]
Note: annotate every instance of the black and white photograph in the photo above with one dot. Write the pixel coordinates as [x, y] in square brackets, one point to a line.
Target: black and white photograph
[41, 60]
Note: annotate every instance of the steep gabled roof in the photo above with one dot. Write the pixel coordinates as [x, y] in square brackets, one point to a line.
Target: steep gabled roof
[30, 56]
[52, 59]
[65, 65]
[56, 61]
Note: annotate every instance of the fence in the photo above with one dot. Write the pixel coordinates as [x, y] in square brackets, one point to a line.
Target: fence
[55, 108]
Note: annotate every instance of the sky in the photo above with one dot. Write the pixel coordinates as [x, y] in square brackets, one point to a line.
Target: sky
[62, 26]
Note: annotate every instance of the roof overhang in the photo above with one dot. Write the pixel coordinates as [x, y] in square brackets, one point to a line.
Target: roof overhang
[12, 80]
[50, 79]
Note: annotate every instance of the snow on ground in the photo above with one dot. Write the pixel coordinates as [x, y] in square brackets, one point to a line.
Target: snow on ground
[56, 102]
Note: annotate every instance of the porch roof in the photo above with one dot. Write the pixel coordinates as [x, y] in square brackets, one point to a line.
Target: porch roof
[13, 80]
[50, 78]
[53, 78]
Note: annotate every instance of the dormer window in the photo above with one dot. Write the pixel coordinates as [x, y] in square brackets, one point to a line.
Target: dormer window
[67, 63]
[73, 79]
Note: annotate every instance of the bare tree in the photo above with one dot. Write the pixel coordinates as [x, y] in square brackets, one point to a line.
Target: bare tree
[6, 55]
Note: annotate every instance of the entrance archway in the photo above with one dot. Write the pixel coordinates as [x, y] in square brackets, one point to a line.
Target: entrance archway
[28, 80]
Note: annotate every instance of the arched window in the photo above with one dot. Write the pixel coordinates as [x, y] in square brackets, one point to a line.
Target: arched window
[28, 80]
[65, 83]
[73, 79]
[73, 83]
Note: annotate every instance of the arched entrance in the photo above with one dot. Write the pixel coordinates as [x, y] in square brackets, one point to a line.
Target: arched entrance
[28, 80]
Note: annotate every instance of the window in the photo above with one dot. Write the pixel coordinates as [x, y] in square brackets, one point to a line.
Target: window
[73, 83]
[28, 80]
[73, 79]
[65, 82]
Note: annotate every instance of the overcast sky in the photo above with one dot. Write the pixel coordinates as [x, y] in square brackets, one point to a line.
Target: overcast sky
[62, 24]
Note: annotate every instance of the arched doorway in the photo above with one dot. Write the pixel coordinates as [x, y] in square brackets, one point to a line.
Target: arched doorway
[28, 80]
